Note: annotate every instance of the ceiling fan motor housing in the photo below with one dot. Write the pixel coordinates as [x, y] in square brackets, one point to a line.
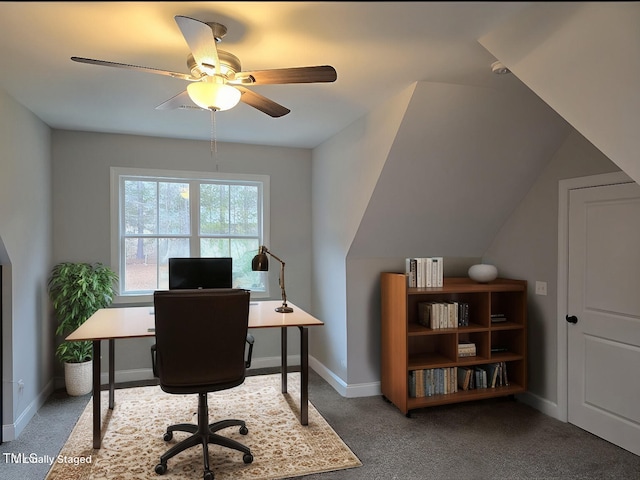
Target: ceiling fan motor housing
[229, 65]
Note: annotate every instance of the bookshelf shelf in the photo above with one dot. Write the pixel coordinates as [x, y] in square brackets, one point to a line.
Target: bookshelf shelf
[410, 348]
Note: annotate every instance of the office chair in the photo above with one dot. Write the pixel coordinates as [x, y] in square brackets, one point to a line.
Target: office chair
[200, 347]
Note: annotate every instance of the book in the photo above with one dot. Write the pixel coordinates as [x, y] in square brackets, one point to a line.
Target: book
[480, 377]
[439, 273]
[424, 314]
[492, 374]
[466, 349]
[505, 379]
[466, 345]
[464, 378]
[452, 314]
[410, 270]
[498, 317]
[412, 383]
[463, 314]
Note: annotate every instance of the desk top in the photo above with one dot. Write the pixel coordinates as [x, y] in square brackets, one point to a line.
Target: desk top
[136, 322]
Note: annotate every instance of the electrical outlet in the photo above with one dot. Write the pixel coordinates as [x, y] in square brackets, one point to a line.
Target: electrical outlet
[541, 288]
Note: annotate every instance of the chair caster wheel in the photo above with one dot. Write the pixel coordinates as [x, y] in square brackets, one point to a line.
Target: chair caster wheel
[161, 468]
[247, 458]
[167, 436]
[208, 475]
[244, 430]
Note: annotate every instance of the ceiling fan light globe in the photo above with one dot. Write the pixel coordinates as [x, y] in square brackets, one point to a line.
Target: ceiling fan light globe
[213, 96]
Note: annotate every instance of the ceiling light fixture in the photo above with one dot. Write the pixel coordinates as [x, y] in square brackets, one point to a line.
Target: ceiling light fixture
[213, 95]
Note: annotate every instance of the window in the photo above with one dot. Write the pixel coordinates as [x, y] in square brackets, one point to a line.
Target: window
[157, 215]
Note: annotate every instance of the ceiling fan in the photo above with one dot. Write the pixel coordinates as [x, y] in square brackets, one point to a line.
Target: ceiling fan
[217, 79]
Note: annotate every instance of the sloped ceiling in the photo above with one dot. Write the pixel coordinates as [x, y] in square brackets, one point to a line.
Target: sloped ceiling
[481, 149]
[462, 159]
[582, 59]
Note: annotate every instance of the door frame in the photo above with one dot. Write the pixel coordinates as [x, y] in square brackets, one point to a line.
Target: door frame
[565, 187]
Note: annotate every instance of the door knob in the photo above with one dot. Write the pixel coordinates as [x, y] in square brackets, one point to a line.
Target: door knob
[572, 319]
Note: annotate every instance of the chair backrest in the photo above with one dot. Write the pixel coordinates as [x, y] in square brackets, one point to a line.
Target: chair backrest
[200, 338]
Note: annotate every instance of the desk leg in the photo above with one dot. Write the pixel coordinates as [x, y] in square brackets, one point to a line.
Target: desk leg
[283, 359]
[96, 394]
[112, 374]
[304, 375]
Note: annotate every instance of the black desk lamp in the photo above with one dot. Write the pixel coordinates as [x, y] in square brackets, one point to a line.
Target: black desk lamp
[260, 263]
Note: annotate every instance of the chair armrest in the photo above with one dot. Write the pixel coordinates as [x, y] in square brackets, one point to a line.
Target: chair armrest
[250, 341]
[153, 360]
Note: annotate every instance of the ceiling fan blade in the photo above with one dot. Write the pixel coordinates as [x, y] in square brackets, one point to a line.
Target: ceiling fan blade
[201, 41]
[181, 101]
[261, 103]
[105, 63]
[319, 74]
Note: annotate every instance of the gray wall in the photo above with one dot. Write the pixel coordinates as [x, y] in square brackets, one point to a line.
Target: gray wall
[81, 166]
[527, 247]
[444, 189]
[25, 254]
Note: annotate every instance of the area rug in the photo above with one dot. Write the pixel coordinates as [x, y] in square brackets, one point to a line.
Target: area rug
[132, 436]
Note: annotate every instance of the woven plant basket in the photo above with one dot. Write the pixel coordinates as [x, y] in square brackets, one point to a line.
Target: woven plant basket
[77, 378]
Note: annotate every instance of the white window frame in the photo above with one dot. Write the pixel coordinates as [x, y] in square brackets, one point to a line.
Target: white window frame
[116, 173]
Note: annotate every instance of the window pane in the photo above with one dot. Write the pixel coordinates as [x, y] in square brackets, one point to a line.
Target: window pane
[140, 207]
[242, 252]
[140, 264]
[173, 208]
[214, 247]
[214, 209]
[170, 248]
[243, 210]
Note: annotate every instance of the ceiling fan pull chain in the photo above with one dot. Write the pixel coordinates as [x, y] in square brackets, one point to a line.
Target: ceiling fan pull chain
[214, 141]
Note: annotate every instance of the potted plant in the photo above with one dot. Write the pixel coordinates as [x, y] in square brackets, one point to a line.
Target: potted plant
[77, 290]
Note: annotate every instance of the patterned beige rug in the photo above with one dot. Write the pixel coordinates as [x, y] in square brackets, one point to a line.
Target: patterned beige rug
[132, 436]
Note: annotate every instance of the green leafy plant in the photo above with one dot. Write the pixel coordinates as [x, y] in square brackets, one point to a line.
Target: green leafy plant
[77, 290]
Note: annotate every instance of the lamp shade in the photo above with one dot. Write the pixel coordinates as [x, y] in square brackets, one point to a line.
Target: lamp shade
[260, 263]
[213, 96]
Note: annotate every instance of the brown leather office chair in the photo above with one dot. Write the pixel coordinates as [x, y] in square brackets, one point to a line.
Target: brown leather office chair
[201, 338]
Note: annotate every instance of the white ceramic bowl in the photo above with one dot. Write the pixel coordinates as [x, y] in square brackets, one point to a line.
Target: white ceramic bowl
[483, 272]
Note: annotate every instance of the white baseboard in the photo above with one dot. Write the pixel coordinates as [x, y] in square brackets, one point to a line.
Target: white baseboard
[349, 391]
[12, 431]
[545, 406]
[143, 374]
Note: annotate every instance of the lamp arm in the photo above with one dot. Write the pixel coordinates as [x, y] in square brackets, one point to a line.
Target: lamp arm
[285, 308]
[264, 249]
[284, 294]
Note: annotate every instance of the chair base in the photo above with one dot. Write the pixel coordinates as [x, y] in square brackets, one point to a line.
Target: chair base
[203, 434]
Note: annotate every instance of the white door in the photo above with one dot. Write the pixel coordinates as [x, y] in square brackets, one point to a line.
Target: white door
[604, 297]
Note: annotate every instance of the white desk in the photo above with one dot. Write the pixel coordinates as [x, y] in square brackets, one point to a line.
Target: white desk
[138, 322]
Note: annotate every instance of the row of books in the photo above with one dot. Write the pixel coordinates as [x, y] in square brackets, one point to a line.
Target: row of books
[440, 381]
[491, 375]
[424, 272]
[433, 381]
[436, 315]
